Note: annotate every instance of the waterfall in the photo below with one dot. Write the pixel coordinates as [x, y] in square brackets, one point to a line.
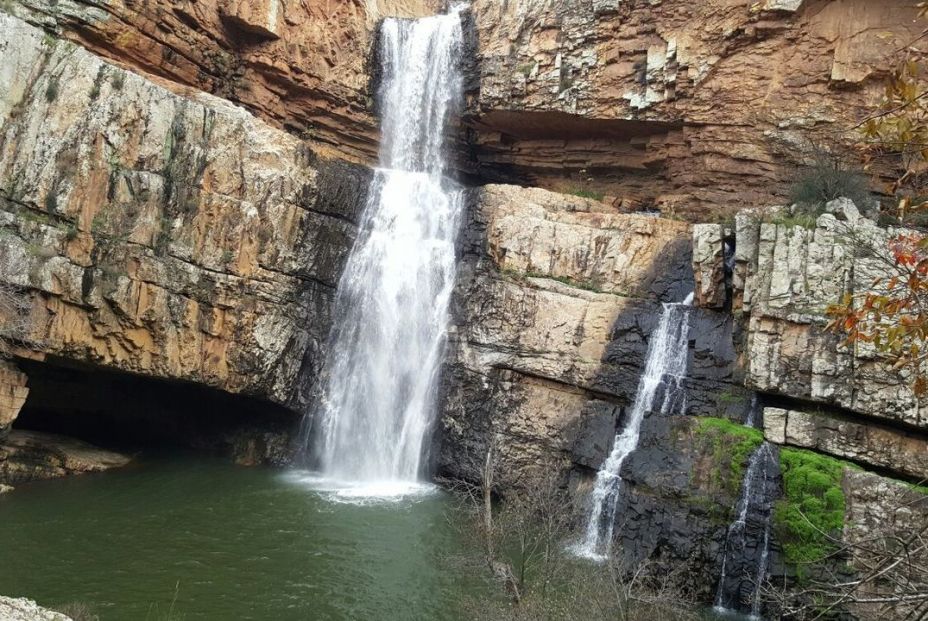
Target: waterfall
[665, 368]
[744, 569]
[376, 408]
[751, 420]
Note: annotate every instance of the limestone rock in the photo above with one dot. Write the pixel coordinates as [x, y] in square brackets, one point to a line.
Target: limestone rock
[22, 609]
[163, 235]
[883, 448]
[709, 265]
[32, 455]
[259, 17]
[878, 507]
[648, 98]
[13, 393]
[552, 312]
[786, 278]
[299, 65]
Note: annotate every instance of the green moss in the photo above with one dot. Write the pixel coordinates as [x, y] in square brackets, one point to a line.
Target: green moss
[732, 445]
[730, 396]
[582, 193]
[586, 285]
[526, 69]
[812, 507]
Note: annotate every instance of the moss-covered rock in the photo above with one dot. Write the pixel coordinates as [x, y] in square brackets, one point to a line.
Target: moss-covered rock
[729, 445]
[812, 507]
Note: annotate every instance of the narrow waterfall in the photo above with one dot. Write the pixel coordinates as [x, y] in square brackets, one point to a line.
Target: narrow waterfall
[665, 368]
[744, 564]
[751, 419]
[376, 409]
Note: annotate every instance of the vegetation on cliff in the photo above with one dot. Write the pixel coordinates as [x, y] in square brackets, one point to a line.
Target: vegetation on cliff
[730, 445]
[812, 507]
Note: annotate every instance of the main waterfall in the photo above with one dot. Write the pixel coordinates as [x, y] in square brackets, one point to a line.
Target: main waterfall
[377, 402]
[665, 367]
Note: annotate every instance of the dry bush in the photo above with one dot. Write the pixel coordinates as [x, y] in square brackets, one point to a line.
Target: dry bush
[888, 576]
[524, 543]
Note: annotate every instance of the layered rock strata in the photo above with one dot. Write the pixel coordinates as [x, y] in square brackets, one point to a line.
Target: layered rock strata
[879, 447]
[31, 455]
[300, 66]
[164, 235]
[553, 310]
[688, 107]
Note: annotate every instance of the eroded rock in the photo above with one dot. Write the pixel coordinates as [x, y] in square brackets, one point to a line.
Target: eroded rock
[879, 447]
[32, 455]
[22, 609]
[167, 236]
[786, 277]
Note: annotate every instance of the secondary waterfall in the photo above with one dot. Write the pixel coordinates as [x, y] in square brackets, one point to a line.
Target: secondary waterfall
[376, 409]
[744, 564]
[665, 367]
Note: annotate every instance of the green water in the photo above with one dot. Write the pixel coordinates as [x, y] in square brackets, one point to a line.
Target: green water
[222, 542]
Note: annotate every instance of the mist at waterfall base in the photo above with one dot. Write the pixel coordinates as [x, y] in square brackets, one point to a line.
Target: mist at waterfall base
[665, 370]
[372, 428]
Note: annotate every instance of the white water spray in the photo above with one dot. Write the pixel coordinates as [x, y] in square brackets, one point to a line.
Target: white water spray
[665, 367]
[391, 313]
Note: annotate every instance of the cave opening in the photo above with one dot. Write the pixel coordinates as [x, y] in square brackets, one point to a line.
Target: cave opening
[137, 414]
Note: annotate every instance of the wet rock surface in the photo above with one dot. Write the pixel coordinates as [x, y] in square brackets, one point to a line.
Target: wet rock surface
[31, 455]
[554, 306]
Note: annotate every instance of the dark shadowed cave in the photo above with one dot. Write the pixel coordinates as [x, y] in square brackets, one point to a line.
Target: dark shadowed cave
[127, 412]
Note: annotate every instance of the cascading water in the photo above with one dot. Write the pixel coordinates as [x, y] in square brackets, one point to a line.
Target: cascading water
[751, 419]
[377, 400]
[744, 566]
[665, 367]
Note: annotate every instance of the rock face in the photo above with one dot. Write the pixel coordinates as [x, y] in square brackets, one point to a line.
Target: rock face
[30, 455]
[785, 279]
[22, 609]
[297, 65]
[689, 107]
[13, 393]
[882, 448]
[167, 236]
[877, 505]
[553, 310]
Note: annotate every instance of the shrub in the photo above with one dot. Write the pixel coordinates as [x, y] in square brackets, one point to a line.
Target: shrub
[825, 180]
[78, 611]
[51, 91]
[596, 196]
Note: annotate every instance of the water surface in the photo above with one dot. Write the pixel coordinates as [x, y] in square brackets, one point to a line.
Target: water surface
[222, 542]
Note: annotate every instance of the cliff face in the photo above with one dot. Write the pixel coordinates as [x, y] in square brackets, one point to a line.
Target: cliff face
[298, 65]
[689, 107]
[168, 236]
[156, 228]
